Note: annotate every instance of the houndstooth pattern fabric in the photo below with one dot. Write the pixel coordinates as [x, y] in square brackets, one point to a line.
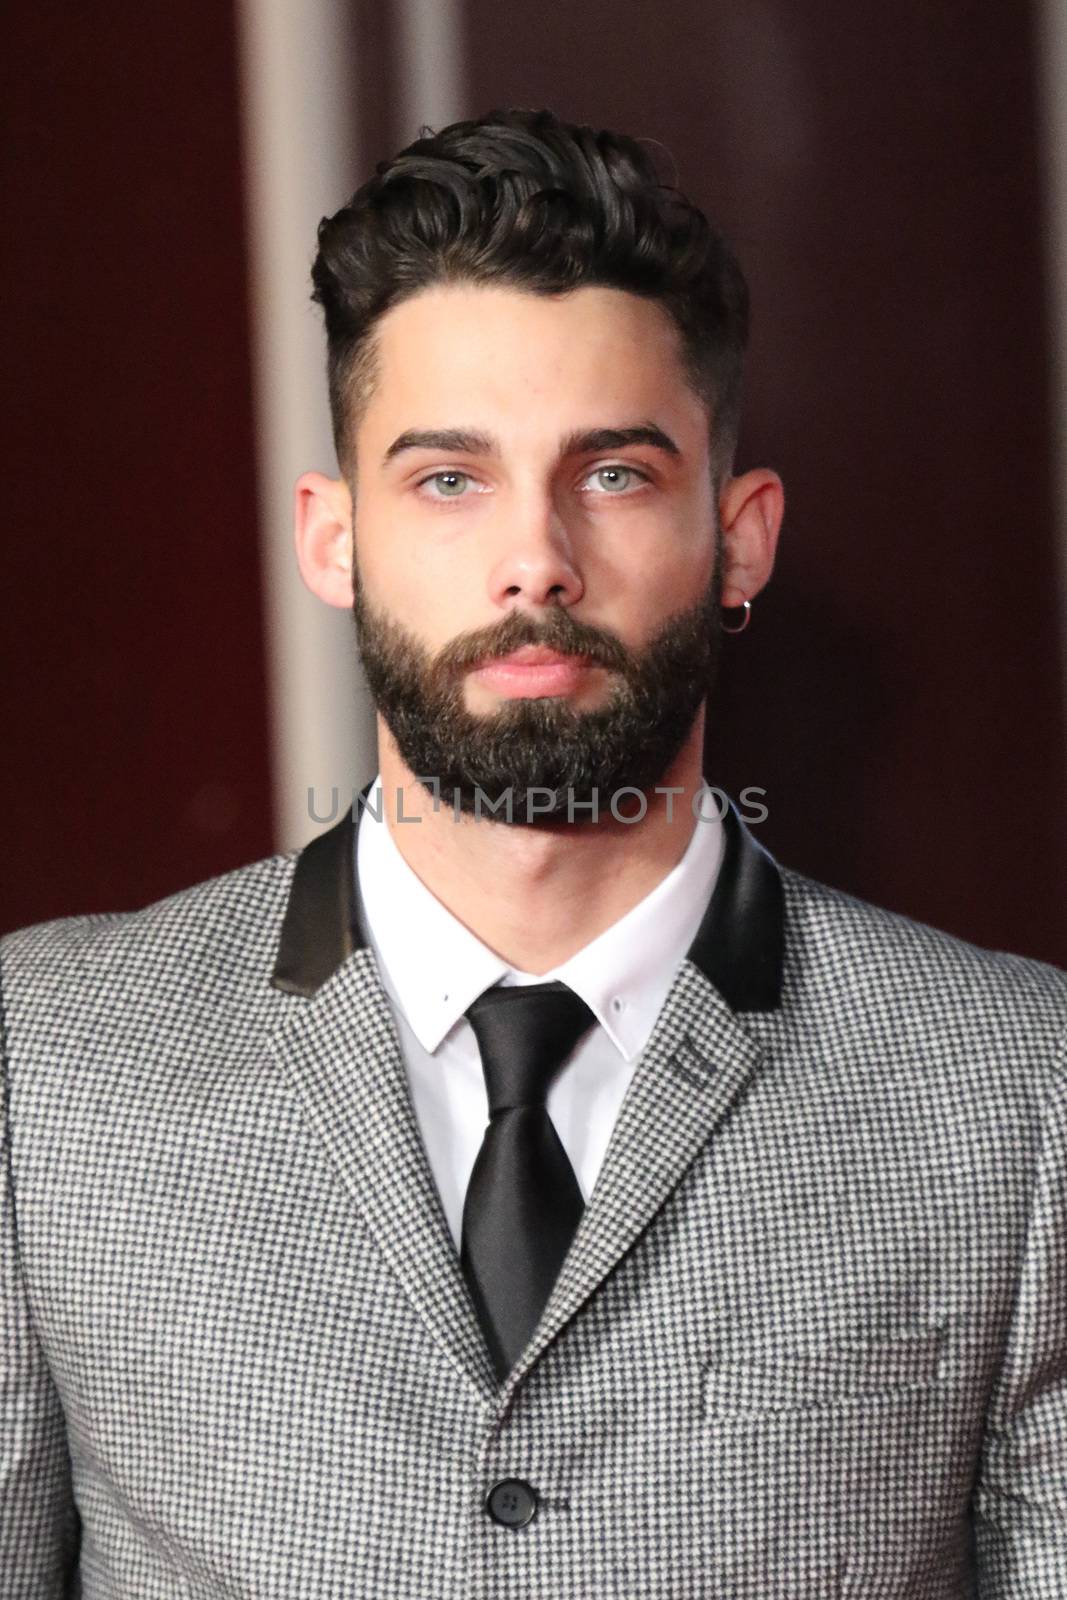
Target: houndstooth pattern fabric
[810, 1340]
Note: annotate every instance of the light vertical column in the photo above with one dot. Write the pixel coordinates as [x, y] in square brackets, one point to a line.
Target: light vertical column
[300, 164]
[433, 86]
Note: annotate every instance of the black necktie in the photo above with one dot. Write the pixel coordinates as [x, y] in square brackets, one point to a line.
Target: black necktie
[523, 1202]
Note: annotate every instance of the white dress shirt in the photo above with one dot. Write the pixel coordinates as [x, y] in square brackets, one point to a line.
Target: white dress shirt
[433, 967]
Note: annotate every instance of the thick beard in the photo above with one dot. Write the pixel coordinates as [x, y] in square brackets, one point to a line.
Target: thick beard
[473, 761]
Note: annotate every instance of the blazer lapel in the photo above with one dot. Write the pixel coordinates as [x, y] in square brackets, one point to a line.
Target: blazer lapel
[342, 1053]
[698, 1059]
[695, 1064]
[339, 1049]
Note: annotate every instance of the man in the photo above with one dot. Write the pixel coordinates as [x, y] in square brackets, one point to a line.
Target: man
[530, 1187]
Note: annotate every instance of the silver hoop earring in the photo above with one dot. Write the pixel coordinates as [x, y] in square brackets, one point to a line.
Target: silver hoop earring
[746, 607]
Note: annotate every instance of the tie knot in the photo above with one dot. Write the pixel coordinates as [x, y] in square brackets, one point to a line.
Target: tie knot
[524, 1035]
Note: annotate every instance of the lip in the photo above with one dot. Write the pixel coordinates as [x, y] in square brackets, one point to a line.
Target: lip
[532, 671]
[533, 655]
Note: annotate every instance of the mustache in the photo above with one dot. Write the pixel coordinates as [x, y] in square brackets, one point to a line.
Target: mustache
[556, 629]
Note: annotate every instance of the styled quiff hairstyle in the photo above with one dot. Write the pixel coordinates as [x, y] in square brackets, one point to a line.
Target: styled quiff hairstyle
[519, 197]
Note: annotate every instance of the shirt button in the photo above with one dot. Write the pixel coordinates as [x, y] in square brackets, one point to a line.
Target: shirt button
[512, 1503]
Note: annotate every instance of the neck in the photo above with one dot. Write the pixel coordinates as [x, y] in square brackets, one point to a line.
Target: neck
[538, 894]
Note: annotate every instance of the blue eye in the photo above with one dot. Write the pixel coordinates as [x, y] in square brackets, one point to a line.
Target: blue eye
[610, 475]
[450, 478]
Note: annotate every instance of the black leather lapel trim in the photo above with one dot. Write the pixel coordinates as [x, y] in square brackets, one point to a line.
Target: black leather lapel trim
[322, 926]
[740, 944]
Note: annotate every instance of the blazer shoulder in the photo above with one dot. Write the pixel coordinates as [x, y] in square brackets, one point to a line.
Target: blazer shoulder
[218, 932]
[911, 972]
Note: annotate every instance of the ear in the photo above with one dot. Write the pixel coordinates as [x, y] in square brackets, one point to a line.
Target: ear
[323, 531]
[751, 508]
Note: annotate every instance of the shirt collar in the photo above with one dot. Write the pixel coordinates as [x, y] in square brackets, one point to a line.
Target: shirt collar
[434, 967]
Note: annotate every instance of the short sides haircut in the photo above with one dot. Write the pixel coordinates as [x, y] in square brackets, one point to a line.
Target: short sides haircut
[518, 197]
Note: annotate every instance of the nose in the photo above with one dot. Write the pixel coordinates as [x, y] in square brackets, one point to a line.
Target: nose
[536, 565]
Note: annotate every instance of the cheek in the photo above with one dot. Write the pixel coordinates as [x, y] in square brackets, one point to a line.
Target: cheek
[655, 587]
[427, 601]
[399, 548]
[390, 566]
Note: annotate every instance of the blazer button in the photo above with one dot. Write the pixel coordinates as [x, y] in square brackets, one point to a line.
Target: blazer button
[512, 1503]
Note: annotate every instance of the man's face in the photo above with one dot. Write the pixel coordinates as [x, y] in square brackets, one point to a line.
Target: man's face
[533, 480]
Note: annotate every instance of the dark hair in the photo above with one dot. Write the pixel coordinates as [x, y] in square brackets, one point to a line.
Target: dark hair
[520, 197]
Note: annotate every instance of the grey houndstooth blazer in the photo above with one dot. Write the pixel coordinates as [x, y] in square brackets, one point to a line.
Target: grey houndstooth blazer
[810, 1340]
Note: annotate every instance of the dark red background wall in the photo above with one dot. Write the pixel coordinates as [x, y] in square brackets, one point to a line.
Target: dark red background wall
[899, 694]
[135, 738]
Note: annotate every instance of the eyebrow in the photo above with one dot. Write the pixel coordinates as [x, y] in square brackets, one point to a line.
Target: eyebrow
[465, 441]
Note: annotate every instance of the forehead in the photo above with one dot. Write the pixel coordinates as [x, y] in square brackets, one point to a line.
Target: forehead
[499, 353]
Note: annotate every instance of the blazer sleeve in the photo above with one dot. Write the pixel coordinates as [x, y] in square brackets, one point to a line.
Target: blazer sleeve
[39, 1523]
[1020, 1502]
